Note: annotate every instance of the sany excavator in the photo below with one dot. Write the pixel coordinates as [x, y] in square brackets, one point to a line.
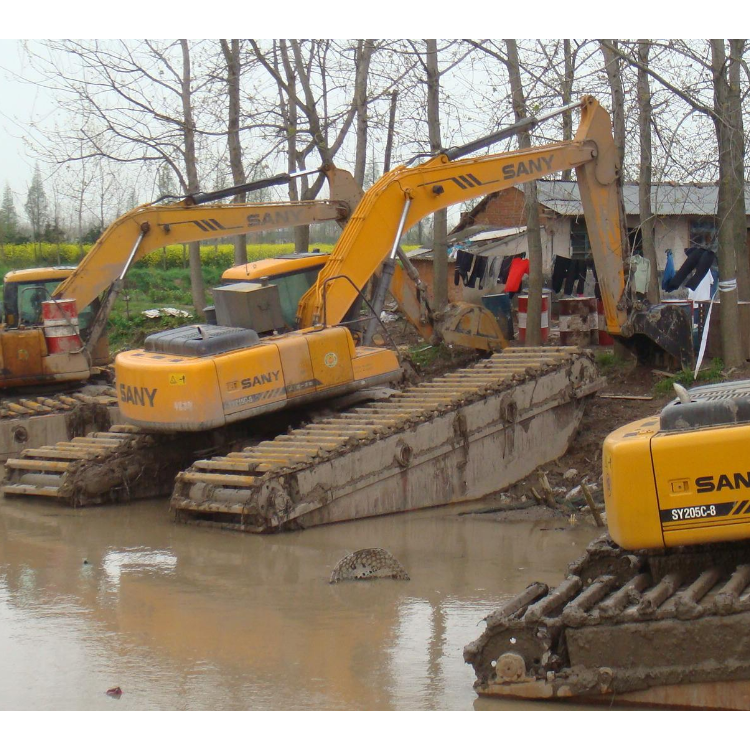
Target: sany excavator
[52, 339]
[430, 444]
[657, 612]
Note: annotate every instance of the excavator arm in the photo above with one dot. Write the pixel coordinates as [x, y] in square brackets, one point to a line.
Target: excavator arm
[416, 192]
[152, 226]
[405, 195]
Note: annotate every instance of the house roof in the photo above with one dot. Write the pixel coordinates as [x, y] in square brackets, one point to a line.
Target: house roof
[667, 199]
[496, 234]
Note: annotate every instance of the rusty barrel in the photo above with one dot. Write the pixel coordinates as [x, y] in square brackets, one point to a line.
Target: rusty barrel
[523, 304]
[60, 320]
[578, 321]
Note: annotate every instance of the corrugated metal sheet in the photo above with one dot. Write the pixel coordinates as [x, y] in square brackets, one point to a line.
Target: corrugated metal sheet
[496, 234]
[666, 200]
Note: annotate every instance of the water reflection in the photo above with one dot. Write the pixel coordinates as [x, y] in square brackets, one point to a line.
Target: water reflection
[183, 617]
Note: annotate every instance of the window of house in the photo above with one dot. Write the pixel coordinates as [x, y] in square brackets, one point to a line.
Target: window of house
[703, 233]
[580, 248]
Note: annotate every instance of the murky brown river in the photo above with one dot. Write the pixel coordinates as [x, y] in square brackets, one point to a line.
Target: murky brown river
[183, 617]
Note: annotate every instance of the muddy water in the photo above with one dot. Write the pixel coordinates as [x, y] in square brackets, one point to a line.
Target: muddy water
[182, 617]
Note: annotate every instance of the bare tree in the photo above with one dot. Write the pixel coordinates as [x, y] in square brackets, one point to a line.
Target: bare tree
[364, 54]
[391, 131]
[534, 234]
[440, 218]
[137, 102]
[720, 112]
[645, 111]
[311, 119]
[231, 51]
[612, 62]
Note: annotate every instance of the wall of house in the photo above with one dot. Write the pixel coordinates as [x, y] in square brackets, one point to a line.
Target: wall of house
[505, 209]
[671, 233]
[426, 273]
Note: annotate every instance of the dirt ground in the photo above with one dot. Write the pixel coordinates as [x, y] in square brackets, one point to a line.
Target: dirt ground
[582, 462]
[530, 499]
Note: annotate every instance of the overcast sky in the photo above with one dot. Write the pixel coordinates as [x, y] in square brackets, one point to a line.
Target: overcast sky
[22, 103]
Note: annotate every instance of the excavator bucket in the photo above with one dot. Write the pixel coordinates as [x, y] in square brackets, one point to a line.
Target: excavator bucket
[661, 336]
[472, 326]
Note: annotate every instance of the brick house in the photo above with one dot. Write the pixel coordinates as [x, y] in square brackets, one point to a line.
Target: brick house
[685, 215]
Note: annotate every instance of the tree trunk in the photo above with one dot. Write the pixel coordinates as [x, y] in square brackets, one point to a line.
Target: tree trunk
[440, 220]
[391, 131]
[737, 134]
[730, 319]
[191, 168]
[364, 53]
[567, 95]
[533, 229]
[614, 76]
[645, 174]
[232, 57]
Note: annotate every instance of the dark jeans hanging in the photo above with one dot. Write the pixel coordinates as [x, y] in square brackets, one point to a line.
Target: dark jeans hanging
[693, 256]
[702, 268]
[559, 272]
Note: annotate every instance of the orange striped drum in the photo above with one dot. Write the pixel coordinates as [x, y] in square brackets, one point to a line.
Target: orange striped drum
[523, 303]
[577, 321]
[60, 319]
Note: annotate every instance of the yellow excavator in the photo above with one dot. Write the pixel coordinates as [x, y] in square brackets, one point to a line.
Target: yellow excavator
[195, 379]
[205, 379]
[657, 612]
[53, 338]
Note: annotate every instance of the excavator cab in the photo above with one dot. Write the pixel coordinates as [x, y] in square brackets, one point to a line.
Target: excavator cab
[23, 294]
[292, 275]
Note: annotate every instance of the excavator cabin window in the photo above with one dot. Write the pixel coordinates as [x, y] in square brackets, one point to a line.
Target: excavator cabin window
[22, 304]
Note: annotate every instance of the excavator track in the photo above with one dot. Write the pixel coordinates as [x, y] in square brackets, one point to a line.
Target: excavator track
[667, 628]
[458, 437]
[120, 465]
[34, 421]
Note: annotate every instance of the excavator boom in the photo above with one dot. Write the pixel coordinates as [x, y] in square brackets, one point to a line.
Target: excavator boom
[439, 183]
[153, 226]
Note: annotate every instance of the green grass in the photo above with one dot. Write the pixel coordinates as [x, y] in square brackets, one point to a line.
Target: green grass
[714, 373]
[424, 355]
[130, 333]
[607, 361]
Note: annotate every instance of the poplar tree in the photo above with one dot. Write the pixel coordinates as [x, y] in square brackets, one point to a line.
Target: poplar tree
[37, 207]
[8, 218]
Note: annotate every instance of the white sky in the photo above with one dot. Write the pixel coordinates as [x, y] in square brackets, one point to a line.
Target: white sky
[20, 102]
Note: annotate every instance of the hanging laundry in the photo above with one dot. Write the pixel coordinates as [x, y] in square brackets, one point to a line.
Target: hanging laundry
[668, 271]
[518, 269]
[589, 288]
[691, 261]
[464, 262]
[702, 268]
[559, 272]
[470, 269]
[702, 290]
[502, 276]
[478, 269]
[581, 276]
[490, 274]
[576, 275]
[641, 270]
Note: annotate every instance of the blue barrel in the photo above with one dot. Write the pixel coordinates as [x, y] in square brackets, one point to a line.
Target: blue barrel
[499, 306]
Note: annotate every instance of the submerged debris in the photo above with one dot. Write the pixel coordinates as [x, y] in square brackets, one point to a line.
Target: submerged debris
[365, 564]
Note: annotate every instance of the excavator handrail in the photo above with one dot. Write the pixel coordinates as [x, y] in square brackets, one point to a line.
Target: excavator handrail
[367, 302]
